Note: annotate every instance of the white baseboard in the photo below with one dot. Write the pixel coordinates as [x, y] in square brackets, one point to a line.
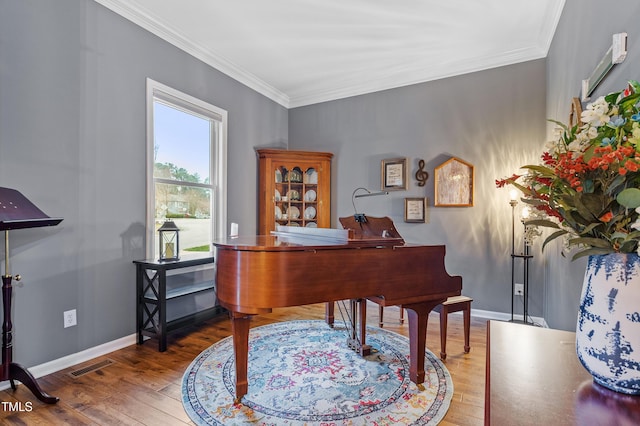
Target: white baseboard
[502, 316]
[78, 358]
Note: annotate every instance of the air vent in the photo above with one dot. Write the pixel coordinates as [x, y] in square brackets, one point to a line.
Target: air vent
[90, 368]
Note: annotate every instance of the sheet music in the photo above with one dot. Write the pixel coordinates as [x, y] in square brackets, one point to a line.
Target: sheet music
[311, 236]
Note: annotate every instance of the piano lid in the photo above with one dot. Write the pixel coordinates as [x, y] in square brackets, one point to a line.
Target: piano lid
[17, 212]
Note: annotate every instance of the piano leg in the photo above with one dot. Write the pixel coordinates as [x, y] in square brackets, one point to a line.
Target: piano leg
[329, 313]
[240, 329]
[418, 314]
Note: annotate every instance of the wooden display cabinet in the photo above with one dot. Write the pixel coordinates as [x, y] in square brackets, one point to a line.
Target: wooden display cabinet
[294, 189]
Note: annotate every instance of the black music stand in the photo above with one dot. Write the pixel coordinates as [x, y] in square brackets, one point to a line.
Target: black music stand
[17, 212]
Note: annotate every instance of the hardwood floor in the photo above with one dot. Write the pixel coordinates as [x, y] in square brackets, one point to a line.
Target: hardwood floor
[142, 387]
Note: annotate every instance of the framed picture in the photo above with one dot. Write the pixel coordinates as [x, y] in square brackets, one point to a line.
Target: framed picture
[394, 174]
[454, 183]
[415, 210]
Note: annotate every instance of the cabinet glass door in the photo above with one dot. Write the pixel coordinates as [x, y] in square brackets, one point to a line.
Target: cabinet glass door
[296, 195]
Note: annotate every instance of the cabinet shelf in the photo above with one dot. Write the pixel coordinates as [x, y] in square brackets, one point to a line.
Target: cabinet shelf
[186, 320]
[278, 194]
[184, 290]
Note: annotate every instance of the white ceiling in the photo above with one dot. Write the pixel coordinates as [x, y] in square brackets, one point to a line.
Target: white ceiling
[300, 52]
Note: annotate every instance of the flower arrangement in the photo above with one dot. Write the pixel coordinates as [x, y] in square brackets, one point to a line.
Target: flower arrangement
[587, 186]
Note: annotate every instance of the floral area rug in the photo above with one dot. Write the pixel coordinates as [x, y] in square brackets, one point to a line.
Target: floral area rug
[303, 373]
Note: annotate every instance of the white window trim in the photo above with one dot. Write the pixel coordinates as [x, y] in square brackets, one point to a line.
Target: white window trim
[219, 153]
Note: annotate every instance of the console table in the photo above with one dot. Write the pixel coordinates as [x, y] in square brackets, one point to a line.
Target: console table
[152, 294]
[533, 377]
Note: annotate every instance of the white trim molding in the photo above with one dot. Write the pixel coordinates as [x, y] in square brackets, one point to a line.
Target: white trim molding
[143, 19]
[78, 358]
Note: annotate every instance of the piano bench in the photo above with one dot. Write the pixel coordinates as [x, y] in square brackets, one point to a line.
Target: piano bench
[452, 304]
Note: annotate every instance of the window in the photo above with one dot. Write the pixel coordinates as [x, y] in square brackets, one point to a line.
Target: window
[186, 168]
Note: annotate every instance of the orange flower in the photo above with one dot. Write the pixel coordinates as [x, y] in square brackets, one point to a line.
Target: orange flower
[606, 217]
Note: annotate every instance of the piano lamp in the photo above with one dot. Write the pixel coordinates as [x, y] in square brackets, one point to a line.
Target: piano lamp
[17, 212]
[168, 241]
[526, 257]
[360, 217]
[513, 202]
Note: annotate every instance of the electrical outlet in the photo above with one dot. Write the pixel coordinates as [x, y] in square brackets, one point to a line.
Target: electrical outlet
[70, 318]
[518, 289]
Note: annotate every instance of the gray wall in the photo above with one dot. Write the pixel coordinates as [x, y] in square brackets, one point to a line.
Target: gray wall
[72, 139]
[581, 40]
[492, 119]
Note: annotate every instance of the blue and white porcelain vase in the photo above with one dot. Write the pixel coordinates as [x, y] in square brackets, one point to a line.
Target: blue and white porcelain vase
[608, 329]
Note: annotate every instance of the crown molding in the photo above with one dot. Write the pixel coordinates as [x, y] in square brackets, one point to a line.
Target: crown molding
[143, 19]
[378, 85]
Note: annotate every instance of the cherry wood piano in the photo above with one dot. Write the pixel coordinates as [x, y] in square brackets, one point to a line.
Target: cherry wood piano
[299, 266]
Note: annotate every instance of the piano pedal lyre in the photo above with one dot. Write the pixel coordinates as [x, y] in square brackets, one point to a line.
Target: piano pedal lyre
[355, 345]
[355, 342]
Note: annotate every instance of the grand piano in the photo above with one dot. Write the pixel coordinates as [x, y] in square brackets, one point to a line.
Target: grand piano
[300, 266]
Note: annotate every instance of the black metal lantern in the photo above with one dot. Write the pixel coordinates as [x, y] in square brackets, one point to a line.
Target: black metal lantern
[169, 241]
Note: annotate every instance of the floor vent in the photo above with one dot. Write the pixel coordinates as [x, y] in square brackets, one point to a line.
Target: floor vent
[90, 368]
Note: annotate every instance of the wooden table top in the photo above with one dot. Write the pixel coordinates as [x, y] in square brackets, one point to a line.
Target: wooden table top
[534, 377]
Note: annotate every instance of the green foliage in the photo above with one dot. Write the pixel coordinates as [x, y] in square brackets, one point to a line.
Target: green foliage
[629, 198]
[199, 248]
[171, 171]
